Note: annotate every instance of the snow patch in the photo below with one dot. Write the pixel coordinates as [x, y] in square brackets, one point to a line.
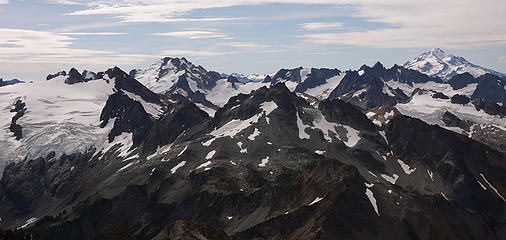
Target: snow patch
[152, 109]
[317, 199]
[319, 152]
[233, 127]
[352, 135]
[431, 174]
[208, 143]
[126, 166]
[372, 200]
[492, 187]
[389, 179]
[208, 110]
[407, 169]
[255, 134]
[184, 150]
[323, 91]
[442, 194]
[204, 165]
[29, 222]
[481, 185]
[264, 162]
[179, 165]
[245, 150]
[210, 154]
[301, 127]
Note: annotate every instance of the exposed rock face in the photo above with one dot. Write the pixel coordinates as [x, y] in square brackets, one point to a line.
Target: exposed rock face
[129, 117]
[458, 161]
[124, 82]
[339, 111]
[451, 120]
[383, 114]
[233, 80]
[51, 76]
[460, 81]
[89, 75]
[19, 109]
[129, 114]
[182, 116]
[491, 88]
[460, 99]
[490, 108]
[74, 77]
[440, 96]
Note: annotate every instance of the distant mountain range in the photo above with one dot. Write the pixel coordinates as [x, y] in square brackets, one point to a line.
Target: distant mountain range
[176, 151]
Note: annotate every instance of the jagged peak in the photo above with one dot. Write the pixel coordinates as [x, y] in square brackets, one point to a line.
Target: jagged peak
[378, 65]
[177, 62]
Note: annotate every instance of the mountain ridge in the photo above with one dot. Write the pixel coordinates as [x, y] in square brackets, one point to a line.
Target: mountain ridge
[194, 153]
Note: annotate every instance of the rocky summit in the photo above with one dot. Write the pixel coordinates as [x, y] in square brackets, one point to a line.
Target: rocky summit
[175, 151]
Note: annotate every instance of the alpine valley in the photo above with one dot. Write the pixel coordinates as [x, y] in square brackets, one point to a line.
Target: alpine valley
[177, 151]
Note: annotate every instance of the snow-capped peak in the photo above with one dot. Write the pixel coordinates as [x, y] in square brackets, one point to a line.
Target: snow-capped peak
[176, 75]
[438, 63]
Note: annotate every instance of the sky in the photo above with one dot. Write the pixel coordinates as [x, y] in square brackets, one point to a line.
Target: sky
[38, 37]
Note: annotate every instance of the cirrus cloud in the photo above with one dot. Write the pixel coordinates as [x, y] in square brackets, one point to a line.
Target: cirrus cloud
[321, 25]
[43, 50]
[194, 34]
[94, 33]
[426, 24]
[161, 11]
[403, 23]
[189, 52]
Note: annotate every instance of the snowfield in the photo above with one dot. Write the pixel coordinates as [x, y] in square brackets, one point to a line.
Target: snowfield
[59, 117]
[431, 110]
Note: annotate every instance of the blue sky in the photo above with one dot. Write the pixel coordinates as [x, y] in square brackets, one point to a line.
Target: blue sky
[255, 36]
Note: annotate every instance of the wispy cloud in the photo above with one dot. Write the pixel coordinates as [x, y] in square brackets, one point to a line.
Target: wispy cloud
[30, 42]
[182, 53]
[161, 11]
[94, 33]
[176, 20]
[194, 34]
[53, 50]
[66, 2]
[413, 23]
[321, 25]
[405, 23]
[245, 46]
